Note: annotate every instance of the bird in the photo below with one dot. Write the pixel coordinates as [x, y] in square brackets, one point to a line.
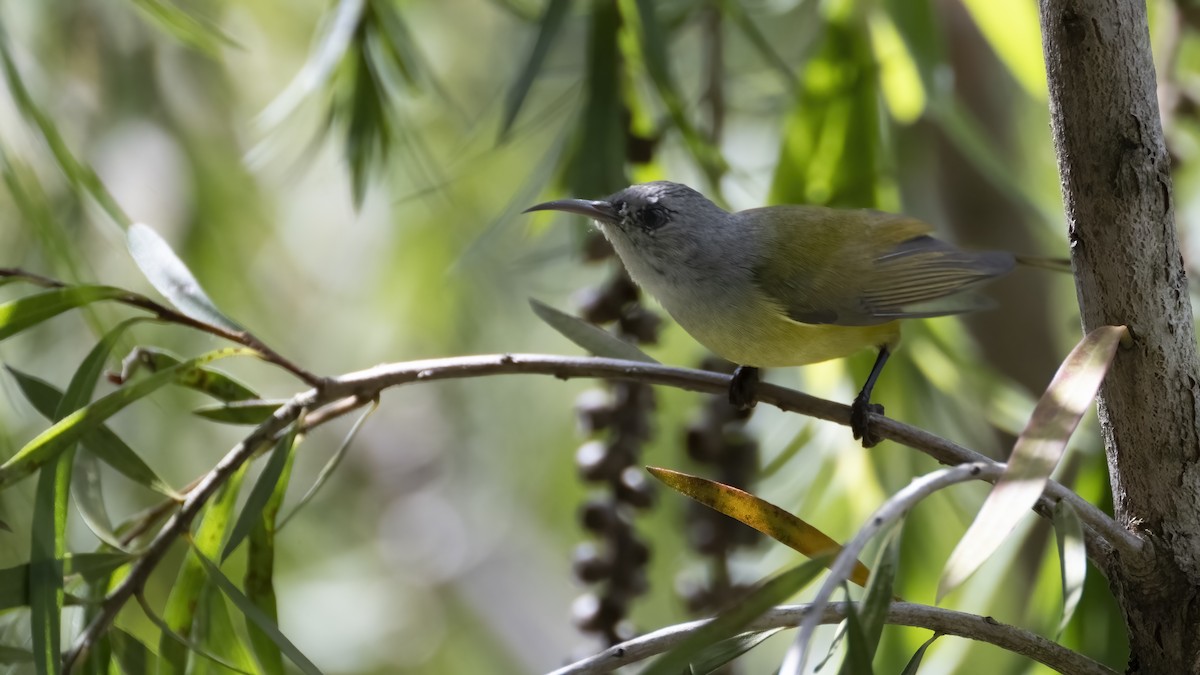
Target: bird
[787, 285]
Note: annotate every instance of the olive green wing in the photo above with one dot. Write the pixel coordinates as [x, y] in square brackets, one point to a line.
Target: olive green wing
[859, 268]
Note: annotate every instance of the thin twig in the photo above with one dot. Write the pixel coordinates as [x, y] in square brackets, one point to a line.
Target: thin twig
[367, 384]
[888, 513]
[168, 315]
[181, 521]
[942, 621]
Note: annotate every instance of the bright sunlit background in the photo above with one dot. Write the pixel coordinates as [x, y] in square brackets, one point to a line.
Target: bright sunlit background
[349, 226]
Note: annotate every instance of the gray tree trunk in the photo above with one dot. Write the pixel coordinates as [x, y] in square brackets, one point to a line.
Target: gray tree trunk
[1116, 187]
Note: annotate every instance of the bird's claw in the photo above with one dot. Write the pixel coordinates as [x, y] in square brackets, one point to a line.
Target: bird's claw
[860, 421]
[743, 388]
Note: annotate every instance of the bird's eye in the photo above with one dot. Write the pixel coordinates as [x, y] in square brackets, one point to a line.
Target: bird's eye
[653, 218]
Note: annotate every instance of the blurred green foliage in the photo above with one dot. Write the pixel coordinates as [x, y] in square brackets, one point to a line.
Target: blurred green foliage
[344, 180]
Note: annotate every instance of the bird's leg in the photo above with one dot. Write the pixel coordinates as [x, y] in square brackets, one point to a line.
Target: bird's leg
[862, 406]
[743, 389]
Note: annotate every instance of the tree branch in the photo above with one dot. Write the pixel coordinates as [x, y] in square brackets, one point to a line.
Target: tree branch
[363, 386]
[942, 621]
[1115, 176]
[168, 315]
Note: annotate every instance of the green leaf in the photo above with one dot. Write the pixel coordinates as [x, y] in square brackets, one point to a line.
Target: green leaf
[592, 338]
[733, 10]
[260, 570]
[548, 29]
[101, 442]
[13, 655]
[14, 581]
[23, 313]
[857, 661]
[254, 411]
[712, 658]
[195, 32]
[915, 662]
[899, 76]
[256, 616]
[167, 273]
[133, 656]
[596, 161]
[1036, 453]
[81, 176]
[47, 445]
[85, 479]
[757, 602]
[181, 646]
[262, 492]
[652, 47]
[871, 614]
[208, 381]
[334, 460]
[215, 632]
[179, 615]
[48, 545]
[760, 514]
[1072, 559]
[47, 548]
[830, 150]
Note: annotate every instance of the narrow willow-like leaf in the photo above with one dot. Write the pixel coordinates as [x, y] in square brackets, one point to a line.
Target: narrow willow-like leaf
[181, 645]
[914, 664]
[831, 143]
[596, 163]
[14, 581]
[47, 445]
[712, 658]
[758, 601]
[47, 548]
[328, 54]
[1036, 453]
[1072, 559]
[85, 479]
[179, 615]
[82, 177]
[330, 466]
[857, 661]
[257, 617]
[592, 338]
[199, 34]
[131, 654]
[548, 29]
[215, 632]
[259, 580]
[207, 381]
[261, 493]
[11, 656]
[167, 273]
[759, 514]
[737, 13]
[871, 614]
[101, 442]
[27, 312]
[652, 45]
[253, 412]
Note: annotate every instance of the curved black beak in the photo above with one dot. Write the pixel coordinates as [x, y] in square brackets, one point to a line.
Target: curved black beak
[597, 210]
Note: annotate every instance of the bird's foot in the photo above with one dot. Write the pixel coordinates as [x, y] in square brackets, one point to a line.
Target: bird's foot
[743, 389]
[860, 422]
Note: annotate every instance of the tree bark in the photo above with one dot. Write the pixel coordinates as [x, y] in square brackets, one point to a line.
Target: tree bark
[1116, 187]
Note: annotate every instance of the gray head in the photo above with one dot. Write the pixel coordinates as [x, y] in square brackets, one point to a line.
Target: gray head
[656, 215]
[669, 236]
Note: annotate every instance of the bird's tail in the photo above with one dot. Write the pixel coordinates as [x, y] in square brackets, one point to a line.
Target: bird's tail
[1052, 264]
